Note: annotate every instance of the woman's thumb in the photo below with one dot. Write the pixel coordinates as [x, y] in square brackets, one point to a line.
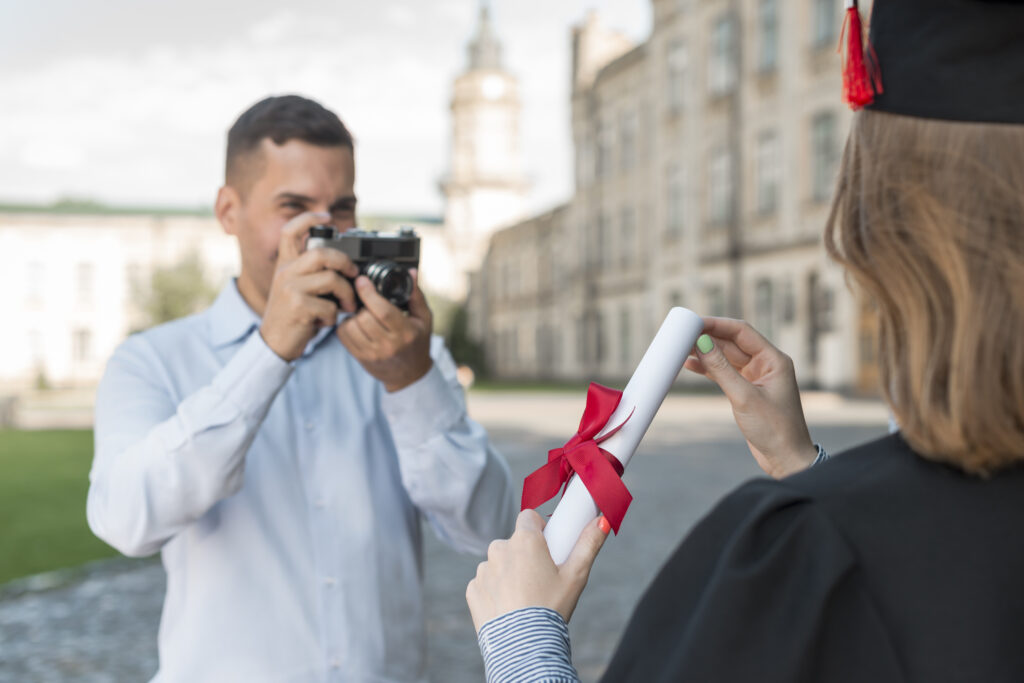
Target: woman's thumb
[721, 371]
[586, 549]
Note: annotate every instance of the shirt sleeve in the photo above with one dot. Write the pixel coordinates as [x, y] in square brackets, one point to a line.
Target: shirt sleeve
[449, 467]
[159, 465]
[529, 645]
[764, 589]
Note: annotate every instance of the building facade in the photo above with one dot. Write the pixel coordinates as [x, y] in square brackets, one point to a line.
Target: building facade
[705, 160]
[74, 282]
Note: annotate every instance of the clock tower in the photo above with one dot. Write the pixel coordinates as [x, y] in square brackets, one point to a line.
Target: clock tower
[485, 189]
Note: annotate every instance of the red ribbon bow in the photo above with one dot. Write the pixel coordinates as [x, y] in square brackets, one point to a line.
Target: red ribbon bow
[600, 471]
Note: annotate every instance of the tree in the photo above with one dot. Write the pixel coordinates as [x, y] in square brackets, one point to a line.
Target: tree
[176, 291]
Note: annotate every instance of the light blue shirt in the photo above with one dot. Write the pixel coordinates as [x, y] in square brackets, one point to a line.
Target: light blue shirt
[286, 498]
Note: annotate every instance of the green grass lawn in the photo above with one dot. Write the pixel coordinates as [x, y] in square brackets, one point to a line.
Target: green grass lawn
[44, 477]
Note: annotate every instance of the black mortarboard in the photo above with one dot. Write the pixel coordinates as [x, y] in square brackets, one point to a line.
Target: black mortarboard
[959, 60]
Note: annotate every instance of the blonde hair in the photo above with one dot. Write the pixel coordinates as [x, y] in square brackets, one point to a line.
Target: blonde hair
[928, 220]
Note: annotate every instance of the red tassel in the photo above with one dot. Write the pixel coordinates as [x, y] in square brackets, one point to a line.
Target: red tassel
[859, 86]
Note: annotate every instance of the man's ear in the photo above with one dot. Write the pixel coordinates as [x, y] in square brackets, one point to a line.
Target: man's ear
[227, 209]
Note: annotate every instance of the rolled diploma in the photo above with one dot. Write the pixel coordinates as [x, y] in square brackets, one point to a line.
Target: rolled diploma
[642, 396]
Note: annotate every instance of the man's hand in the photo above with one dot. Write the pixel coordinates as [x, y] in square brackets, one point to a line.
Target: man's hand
[760, 383]
[520, 573]
[392, 346]
[294, 310]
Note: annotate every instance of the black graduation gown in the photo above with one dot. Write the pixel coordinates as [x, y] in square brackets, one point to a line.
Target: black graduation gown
[875, 566]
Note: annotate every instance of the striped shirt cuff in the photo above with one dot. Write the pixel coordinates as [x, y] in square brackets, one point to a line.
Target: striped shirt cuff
[529, 645]
[822, 455]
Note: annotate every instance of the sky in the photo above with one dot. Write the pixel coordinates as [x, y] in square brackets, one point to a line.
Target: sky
[128, 101]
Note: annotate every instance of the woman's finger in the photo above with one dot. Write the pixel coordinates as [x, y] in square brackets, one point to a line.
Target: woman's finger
[693, 364]
[746, 338]
[717, 367]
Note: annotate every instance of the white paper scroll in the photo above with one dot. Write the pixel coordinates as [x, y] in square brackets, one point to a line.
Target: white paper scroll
[642, 396]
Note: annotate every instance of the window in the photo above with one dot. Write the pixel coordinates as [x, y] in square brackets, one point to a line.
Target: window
[81, 345]
[716, 301]
[720, 192]
[585, 163]
[674, 202]
[678, 63]
[84, 282]
[826, 309]
[627, 141]
[604, 150]
[625, 339]
[767, 173]
[133, 276]
[35, 345]
[768, 36]
[600, 240]
[36, 276]
[788, 302]
[627, 247]
[722, 63]
[764, 308]
[825, 155]
[825, 19]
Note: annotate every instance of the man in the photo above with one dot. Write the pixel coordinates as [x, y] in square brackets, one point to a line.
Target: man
[281, 460]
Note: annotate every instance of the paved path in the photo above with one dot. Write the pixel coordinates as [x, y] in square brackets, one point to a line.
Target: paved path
[101, 626]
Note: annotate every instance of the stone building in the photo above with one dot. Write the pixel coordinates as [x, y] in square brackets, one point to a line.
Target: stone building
[704, 165]
[72, 279]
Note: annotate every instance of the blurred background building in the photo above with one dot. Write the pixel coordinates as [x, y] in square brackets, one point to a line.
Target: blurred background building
[87, 275]
[705, 160]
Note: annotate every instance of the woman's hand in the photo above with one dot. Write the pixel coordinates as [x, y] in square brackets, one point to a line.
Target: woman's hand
[520, 573]
[760, 383]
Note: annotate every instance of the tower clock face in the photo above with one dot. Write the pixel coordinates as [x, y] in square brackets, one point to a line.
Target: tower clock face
[493, 87]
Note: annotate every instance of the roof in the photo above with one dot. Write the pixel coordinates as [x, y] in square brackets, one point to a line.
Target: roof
[85, 207]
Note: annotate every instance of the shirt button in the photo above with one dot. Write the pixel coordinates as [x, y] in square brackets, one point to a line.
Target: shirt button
[335, 663]
[319, 503]
[309, 426]
[330, 581]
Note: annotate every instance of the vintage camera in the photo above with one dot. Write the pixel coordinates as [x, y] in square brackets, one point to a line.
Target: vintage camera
[385, 258]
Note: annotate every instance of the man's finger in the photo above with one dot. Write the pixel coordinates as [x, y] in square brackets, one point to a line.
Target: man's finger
[326, 259]
[293, 234]
[586, 549]
[354, 339]
[418, 307]
[718, 368]
[383, 310]
[371, 327]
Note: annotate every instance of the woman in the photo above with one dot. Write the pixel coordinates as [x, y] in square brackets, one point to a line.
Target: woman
[902, 559]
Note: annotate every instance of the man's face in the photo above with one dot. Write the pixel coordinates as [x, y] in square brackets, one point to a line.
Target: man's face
[290, 179]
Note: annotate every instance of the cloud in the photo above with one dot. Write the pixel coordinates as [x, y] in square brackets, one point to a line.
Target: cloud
[148, 123]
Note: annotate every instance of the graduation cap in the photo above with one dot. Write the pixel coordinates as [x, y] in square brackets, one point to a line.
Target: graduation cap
[958, 60]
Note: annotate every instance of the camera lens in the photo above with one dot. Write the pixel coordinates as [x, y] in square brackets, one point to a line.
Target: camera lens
[392, 282]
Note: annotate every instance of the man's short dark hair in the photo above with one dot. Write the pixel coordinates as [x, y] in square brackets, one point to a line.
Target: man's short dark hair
[282, 118]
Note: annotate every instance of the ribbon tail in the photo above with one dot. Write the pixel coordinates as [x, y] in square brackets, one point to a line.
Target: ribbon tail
[602, 481]
[542, 485]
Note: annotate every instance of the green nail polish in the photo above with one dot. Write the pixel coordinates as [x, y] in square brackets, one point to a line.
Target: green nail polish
[704, 343]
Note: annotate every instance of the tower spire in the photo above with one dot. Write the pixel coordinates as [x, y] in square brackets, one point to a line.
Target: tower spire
[484, 49]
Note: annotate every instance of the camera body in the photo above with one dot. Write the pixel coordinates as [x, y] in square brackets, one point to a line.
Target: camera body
[385, 258]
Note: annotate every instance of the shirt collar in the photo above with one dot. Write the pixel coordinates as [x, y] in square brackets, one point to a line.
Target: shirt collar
[230, 317]
[232, 320]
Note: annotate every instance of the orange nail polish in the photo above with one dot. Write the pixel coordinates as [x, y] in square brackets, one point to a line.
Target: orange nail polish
[604, 525]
